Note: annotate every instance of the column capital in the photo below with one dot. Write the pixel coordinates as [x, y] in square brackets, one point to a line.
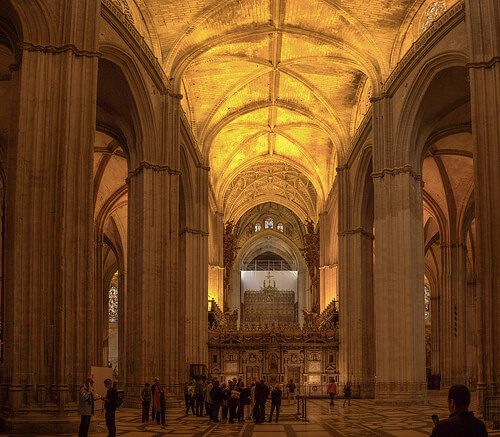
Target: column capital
[397, 170]
[145, 165]
[52, 49]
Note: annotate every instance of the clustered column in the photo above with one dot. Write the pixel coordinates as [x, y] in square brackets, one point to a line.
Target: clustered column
[399, 270]
[482, 18]
[356, 294]
[49, 286]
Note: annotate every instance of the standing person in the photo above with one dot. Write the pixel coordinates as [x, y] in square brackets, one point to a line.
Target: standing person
[347, 393]
[146, 401]
[253, 405]
[190, 398]
[157, 401]
[461, 422]
[208, 398]
[276, 396]
[332, 391]
[226, 394]
[198, 393]
[110, 405]
[261, 395]
[234, 401]
[186, 396]
[86, 406]
[163, 407]
[217, 397]
[154, 407]
[291, 391]
[244, 401]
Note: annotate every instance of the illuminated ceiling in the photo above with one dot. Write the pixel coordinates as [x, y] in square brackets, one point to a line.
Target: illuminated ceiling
[275, 82]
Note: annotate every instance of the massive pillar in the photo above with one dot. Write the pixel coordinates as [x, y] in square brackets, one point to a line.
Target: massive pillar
[196, 292]
[482, 17]
[153, 331]
[49, 286]
[356, 352]
[399, 270]
[452, 323]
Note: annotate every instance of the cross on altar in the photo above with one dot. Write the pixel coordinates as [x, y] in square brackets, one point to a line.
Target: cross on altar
[269, 276]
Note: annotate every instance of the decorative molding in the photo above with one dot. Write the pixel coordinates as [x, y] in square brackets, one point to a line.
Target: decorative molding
[329, 266]
[360, 231]
[144, 165]
[30, 47]
[484, 64]
[115, 11]
[342, 168]
[397, 170]
[187, 230]
[416, 49]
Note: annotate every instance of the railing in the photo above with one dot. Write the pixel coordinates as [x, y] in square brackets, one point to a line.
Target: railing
[302, 408]
[266, 265]
[492, 410]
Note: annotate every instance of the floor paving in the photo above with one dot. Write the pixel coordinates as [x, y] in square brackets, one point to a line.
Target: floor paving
[362, 418]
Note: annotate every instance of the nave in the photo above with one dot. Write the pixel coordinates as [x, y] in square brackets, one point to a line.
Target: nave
[363, 418]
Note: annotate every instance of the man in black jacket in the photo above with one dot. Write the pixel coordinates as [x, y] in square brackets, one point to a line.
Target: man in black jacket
[276, 396]
[461, 422]
[110, 405]
[261, 395]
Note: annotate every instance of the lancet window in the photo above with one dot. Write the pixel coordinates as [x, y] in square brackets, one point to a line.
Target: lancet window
[268, 223]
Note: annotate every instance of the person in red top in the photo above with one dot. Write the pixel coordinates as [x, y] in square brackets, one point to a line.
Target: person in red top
[332, 391]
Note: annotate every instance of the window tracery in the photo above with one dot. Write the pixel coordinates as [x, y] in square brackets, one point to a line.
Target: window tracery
[258, 227]
[268, 223]
[279, 227]
[113, 304]
[432, 13]
[427, 303]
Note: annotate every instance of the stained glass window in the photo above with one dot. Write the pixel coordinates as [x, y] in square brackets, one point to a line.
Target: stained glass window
[258, 227]
[113, 304]
[279, 227]
[432, 13]
[427, 302]
[268, 223]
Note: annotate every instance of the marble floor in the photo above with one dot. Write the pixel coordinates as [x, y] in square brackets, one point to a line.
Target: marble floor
[362, 418]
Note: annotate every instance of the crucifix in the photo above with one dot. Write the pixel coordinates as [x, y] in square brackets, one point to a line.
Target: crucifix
[269, 276]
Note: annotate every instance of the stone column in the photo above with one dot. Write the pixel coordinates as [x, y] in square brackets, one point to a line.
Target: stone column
[356, 352]
[49, 286]
[398, 270]
[197, 274]
[482, 18]
[153, 331]
[451, 324]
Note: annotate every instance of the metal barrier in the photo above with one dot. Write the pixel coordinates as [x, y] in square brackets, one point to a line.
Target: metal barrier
[302, 408]
[492, 410]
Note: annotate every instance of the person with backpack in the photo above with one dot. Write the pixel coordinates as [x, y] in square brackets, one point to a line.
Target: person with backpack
[332, 391]
[146, 401]
[86, 406]
[190, 398]
[198, 393]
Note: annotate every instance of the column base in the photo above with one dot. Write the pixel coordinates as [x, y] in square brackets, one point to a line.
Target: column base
[402, 394]
[42, 424]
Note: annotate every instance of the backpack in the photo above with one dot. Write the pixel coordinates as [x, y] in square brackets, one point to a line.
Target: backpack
[121, 398]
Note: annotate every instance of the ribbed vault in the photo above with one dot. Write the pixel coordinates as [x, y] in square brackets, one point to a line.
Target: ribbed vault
[277, 81]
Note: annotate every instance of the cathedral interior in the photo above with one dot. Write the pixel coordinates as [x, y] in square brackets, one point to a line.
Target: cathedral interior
[253, 189]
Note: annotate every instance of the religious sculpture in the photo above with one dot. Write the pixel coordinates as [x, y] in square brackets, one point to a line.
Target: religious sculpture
[230, 250]
[310, 251]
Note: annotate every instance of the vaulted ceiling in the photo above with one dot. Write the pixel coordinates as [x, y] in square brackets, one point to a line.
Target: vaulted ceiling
[275, 82]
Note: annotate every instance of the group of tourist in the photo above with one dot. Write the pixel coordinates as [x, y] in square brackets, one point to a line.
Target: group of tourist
[154, 396]
[234, 401]
[86, 406]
